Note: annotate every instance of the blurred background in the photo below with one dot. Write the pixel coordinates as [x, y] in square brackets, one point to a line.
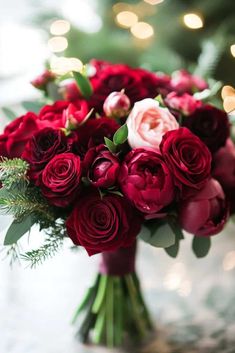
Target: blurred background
[161, 35]
[191, 300]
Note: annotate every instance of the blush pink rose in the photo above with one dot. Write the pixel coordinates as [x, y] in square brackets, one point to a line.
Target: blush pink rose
[185, 103]
[148, 122]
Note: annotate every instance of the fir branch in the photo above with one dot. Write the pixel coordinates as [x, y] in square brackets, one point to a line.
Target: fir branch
[12, 253]
[13, 171]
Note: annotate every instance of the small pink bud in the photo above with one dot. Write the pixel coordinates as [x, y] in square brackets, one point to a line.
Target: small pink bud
[76, 115]
[116, 105]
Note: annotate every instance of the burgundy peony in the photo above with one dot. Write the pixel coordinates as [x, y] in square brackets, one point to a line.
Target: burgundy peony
[17, 134]
[146, 180]
[185, 103]
[101, 167]
[188, 158]
[103, 224]
[210, 124]
[206, 213]
[92, 134]
[42, 147]
[60, 180]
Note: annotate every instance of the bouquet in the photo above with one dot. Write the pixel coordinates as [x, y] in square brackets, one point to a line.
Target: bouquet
[116, 155]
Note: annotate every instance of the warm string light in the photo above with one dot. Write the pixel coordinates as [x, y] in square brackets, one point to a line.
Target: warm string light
[232, 50]
[62, 65]
[142, 30]
[153, 2]
[126, 19]
[228, 96]
[193, 21]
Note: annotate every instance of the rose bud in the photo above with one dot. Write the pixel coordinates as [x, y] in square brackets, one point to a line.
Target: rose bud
[210, 124]
[146, 181]
[206, 213]
[60, 180]
[101, 167]
[42, 80]
[185, 103]
[116, 105]
[103, 224]
[148, 122]
[188, 159]
[75, 115]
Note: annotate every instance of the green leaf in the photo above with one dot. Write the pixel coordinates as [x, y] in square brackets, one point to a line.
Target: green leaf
[110, 145]
[160, 234]
[32, 106]
[173, 249]
[120, 135]
[17, 230]
[201, 246]
[176, 228]
[83, 84]
[9, 113]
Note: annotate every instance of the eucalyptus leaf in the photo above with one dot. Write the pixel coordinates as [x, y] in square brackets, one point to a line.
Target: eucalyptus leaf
[176, 228]
[173, 249]
[120, 135]
[159, 234]
[83, 84]
[18, 229]
[201, 246]
[32, 106]
[9, 113]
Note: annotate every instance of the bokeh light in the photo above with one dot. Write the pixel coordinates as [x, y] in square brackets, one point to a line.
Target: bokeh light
[63, 65]
[57, 44]
[59, 27]
[142, 30]
[126, 19]
[232, 49]
[229, 261]
[153, 2]
[193, 21]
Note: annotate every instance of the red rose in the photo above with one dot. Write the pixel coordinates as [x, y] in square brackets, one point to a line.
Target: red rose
[17, 134]
[146, 180]
[41, 148]
[103, 224]
[182, 81]
[92, 134]
[75, 115]
[41, 81]
[188, 159]
[101, 167]
[185, 103]
[206, 213]
[53, 113]
[210, 124]
[60, 180]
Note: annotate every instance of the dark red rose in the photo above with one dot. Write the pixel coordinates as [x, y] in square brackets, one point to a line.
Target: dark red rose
[206, 213]
[224, 170]
[146, 180]
[17, 134]
[41, 148]
[184, 82]
[53, 113]
[41, 81]
[188, 158]
[101, 167]
[103, 224]
[60, 180]
[210, 124]
[75, 115]
[185, 103]
[92, 134]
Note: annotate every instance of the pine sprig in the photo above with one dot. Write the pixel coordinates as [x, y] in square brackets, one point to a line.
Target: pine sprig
[12, 253]
[52, 244]
[13, 171]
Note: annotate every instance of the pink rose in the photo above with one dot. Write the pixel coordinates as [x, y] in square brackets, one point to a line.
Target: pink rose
[185, 103]
[206, 213]
[182, 81]
[116, 105]
[148, 122]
